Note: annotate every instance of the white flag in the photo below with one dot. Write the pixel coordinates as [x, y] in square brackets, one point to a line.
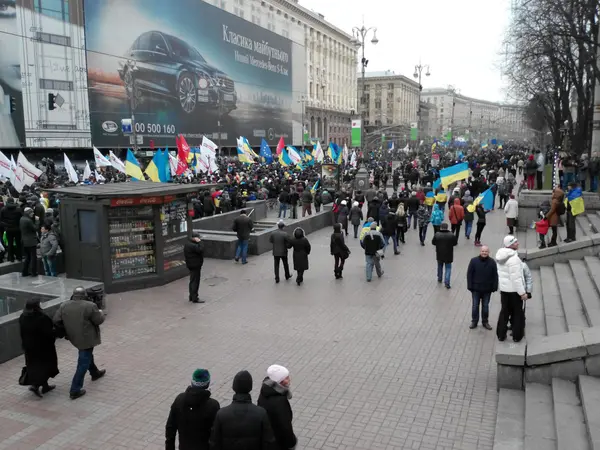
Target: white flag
[19, 179]
[30, 172]
[212, 165]
[209, 147]
[71, 172]
[173, 164]
[202, 164]
[345, 154]
[98, 176]
[101, 161]
[5, 170]
[319, 156]
[87, 172]
[13, 169]
[116, 162]
[353, 159]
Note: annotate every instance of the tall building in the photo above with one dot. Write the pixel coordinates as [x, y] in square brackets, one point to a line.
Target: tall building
[429, 120]
[330, 95]
[390, 103]
[480, 119]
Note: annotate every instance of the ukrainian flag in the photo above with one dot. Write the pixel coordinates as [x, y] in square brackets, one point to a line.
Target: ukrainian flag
[575, 199]
[334, 153]
[429, 198]
[437, 184]
[284, 158]
[153, 168]
[244, 157]
[455, 173]
[441, 197]
[132, 167]
[315, 186]
[486, 199]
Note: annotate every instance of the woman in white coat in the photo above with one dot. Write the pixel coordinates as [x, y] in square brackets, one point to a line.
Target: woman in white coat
[511, 210]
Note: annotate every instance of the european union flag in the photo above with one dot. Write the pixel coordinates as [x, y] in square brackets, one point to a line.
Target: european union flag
[265, 152]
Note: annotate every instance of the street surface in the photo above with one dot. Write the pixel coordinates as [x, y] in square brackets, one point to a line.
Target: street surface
[389, 364]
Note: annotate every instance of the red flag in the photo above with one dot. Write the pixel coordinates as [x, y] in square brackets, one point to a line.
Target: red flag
[280, 145]
[182, 147]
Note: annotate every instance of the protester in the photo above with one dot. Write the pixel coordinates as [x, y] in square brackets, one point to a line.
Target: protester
[557, 209]
[192, 415]
[242, 425]
[284, 201]
[355, 217]
[372, 244]
[423, 216]
[48, 250]
[307, 199]
[81, 320]
[281, 242]
[437, 217]
[339, 250]
[10, 217]
[30, 243]
[456, 215]
[481, 221]
[512, 290]
[570, 222]
[530, 172]
[511, 210]
[467, 200]
[402, 223]
[389, 229]
[482, 280]
[413, 204]
[444, 242]
[37, 341]
[193, 253]
[343, 213]
[243, 226]
[301, 248]
[275, 396]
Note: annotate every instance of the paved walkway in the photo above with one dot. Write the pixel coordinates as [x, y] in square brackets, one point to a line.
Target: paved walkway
[384, 365]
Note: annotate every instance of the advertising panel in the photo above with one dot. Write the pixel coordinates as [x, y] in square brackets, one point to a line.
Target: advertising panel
[12, 130]
[184, 67]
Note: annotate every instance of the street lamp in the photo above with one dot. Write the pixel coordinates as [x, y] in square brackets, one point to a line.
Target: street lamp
[418, 72]
[303, 100]
[453, 91]
[358, 37]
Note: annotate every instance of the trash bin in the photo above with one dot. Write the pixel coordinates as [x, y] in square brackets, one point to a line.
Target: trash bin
[96, 295]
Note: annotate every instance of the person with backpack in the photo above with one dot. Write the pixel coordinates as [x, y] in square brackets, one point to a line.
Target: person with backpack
[557, 209]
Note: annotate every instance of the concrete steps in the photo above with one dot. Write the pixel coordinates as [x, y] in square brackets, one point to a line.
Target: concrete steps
[562, 416]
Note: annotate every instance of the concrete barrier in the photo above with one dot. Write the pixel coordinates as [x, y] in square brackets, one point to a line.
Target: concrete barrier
[17, 266]
[225, 221]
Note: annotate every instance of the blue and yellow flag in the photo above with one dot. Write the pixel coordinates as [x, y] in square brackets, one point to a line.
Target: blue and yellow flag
[156, 167]
[437, 184]
[132, 166]
[575, 199]
[486, 199]
[315, 186]
[455, 173]
[429, 198]
[441, 197]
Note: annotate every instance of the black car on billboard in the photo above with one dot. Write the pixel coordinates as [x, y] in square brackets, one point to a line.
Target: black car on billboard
[159, 65]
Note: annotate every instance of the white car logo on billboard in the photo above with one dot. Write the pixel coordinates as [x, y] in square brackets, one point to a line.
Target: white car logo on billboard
[109, 126]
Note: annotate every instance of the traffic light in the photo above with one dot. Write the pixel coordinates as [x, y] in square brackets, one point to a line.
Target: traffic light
[13, 104]
[51, 102]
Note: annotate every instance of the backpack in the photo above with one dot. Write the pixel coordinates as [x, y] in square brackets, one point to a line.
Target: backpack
[561, 208]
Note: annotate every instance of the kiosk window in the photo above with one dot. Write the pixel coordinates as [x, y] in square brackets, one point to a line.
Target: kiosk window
[88, 227]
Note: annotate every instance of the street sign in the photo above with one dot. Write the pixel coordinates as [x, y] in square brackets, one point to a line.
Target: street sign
[140, 140]
[126, 126]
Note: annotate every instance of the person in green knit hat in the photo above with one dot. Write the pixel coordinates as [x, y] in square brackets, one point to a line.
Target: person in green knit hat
[192, 415]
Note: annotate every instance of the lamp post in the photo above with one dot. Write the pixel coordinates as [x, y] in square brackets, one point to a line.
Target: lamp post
[303, 100]
[452, 90]
[418, 72]
[359, 34]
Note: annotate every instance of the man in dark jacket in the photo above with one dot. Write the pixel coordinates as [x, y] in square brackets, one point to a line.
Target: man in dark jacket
[30, 242]
[10, 217]
[193, 252]
[281, 241]
[444, 242]
[208, 205]
[413, 206]
[81, 320]
[242, 424]
[192, 415]
[372, 242]
[275, 398]
[482, 280]
[243, 226]
[307, 199]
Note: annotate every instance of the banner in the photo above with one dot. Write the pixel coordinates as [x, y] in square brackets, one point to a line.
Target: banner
[414, 131]
[189, 68]
[356, 135]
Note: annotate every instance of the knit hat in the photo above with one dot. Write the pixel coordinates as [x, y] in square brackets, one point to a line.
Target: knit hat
[355, 204]
[509, 241]
[201, 378]
[343, 202]
[277, 373]
[242, 382]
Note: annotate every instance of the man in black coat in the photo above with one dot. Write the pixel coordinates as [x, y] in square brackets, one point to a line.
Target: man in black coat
[242, 425]
[30, 242]
[281, 241]
[482, 280]
[275, 398]
[192, 415]
[193, 252]
[444, 242]
[243, 226]
[10, 217]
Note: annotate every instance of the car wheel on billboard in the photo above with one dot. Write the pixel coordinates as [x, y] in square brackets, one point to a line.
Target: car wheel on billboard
[186, 91]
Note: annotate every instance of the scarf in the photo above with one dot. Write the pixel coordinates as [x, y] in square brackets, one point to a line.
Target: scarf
[278, 388]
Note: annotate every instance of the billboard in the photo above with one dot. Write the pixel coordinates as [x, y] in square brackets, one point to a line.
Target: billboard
[185, 67]
[12, 130]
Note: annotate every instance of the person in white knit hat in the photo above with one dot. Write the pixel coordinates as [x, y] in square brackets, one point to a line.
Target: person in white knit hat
[275, 398]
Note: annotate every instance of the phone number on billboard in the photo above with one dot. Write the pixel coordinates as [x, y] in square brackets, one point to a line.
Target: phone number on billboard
[154, 128]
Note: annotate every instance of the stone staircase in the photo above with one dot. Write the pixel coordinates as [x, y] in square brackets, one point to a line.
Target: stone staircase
[562, 415]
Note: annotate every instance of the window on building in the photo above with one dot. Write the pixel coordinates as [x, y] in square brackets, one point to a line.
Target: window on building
[56, 85]
[58, 9]
[391, 86]
[377, 104]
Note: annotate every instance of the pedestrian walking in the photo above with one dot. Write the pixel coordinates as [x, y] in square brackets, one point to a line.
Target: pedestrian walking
[284, 201]
[242, 425]
[30, 242]
[512, 290]
[243, 226]
[192, 415]
[301, 248]
[37, 341]
[437, 217]
[481, 221]
[193, 253]
[389, 228]
[355, 217]
[482, 280]
[402, 223]
[339, 250]
[423, 217]
[372, 244]
[413, 204]
[307, 199]
[48, 250]
[444, 242]
[469, 215]
[281, 242]
[275, 396]
[511, 211]
[456, 215]
[343, 213]
[81, 320]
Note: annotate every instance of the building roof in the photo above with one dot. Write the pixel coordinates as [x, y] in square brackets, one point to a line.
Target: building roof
[387, 75]
[312, 16]
[446, 91]
[133, 189]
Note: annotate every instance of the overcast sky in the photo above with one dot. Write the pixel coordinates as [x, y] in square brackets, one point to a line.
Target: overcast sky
[461, 40]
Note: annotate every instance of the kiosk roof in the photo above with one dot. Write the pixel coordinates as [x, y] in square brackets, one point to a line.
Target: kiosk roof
[131, 189]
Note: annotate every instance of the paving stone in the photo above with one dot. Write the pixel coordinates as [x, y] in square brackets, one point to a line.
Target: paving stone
[589, 390]
[549, 349]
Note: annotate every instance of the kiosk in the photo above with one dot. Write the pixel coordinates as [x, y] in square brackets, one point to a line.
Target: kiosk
[126, 235]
